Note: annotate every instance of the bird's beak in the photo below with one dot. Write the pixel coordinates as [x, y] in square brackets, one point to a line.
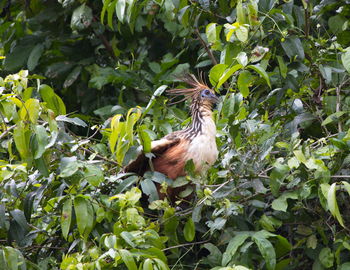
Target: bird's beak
[214, 98]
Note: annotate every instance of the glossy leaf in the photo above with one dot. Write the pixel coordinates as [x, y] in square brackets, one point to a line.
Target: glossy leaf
[332, 203]
[53, 101]
[85, 215]
[261, 72]
[128, 259]
[189, 230]
[34, 56]
[243, 82]
[66, 217]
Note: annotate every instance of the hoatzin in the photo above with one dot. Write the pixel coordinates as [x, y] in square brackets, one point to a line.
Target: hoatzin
[196, 142]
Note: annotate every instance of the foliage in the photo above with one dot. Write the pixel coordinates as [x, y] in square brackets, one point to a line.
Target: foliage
[275, 199]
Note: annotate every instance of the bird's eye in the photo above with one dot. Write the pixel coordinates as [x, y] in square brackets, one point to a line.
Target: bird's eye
[207, 92]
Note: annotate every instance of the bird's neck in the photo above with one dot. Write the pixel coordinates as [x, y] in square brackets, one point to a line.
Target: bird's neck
[201, 118]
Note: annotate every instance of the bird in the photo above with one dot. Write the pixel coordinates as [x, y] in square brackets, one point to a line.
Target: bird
[196, 142]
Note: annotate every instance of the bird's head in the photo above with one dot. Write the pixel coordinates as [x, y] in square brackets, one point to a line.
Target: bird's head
[199, 93]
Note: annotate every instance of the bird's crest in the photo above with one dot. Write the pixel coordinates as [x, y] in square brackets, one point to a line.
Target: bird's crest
[189, 93]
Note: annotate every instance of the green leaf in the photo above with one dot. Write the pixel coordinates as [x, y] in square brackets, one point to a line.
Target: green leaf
[282, 66]
[210, 32]
[128, 259]
[66, 217]
[242, 33]
[74, 120]
[31, 110]
[215, 73]
[262, 73]
[34, 56]
[241, 19]
[53, 101]
[21, 137]
[84, 214]
[20, 218]
[345, 59]
[93, 175]
[244, 81]
[227, 74]
[120, 9]
[280, 204]
[266, 250]
[116, 127]
[293, 47]
[18, 57]
[68, 166]
[242, 59]
[42, 140]
[333, 118]
[149, 188]
[326, 257]
[144, 138]
[189, 230]
[81, 18]
[72, 77]
[332, 203]
[336, 23]
[233, 246]
[147, 264]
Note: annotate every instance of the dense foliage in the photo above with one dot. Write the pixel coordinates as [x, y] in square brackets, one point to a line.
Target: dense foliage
[82, 88]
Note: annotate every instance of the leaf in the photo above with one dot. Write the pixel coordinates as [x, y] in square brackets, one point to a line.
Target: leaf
[18, 57]
[149, 188]
[244, 81]
[280, 204]
[293, 47]
[345, 59]
[93, 175]
[144, 138]
[282, 66]
[262, 73]
[20, 218]
[68, 166]
[116, 127]
[128, 259]
[53, 101]
[242, 59]
[241, 19]
[66, 217]
[72, 77]
[233, 246]
[120, 9]
[41, 139]
[84, 214]
[242, 33]
[336, 23]
[31, 110]
[332, 203]
[81, 18]
[326, 257]
[266, 250]
[21, 138]
[75, 120]
[211, 33]
[189, 230]
[215, 73]
[34, 56]
[227, 74]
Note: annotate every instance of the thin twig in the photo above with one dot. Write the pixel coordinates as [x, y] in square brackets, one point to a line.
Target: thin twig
[187, 244]
[99, 156]
[7, 131]
[338, 108]
[209, 52]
